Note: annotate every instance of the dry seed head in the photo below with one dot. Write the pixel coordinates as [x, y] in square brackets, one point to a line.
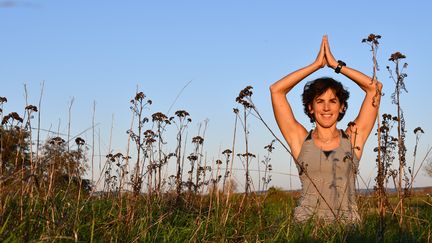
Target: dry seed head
[227, 151]
[396, 56]
[270, 147]
[32, 108]
[16, 116]
[181, 113]
[149, 133]
[246, 155]
[79, 141]
[5, 119]
[198, 140]
[159, 116]
[372, 38]
[245, 94]
[418, 130]
[192, 157]
[139, 96]
[12, 115]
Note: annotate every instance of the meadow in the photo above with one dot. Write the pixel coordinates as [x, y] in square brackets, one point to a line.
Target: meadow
[44, 195]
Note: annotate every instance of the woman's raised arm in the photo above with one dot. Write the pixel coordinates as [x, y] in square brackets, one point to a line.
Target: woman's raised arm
[293, 132]
[365, 120]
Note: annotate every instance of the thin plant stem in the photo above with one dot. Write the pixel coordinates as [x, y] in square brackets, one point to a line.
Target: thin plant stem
[69, 122]
[39, 120]
[93, 141]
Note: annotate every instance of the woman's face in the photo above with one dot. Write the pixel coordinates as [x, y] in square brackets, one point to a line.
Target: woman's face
[326, 108]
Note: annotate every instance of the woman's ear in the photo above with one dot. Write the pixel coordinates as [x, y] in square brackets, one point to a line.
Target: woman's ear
[310, 109]
[342, 109]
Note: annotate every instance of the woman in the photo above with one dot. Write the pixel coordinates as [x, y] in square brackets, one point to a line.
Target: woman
[327, 158]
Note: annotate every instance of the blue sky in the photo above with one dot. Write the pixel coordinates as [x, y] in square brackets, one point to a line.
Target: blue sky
[101, 51]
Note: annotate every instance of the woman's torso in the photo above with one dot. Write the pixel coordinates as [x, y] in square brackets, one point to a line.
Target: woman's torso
[328, 181]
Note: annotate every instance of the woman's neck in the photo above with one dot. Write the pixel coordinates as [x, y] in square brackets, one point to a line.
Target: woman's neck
[326, 132]
[326, 136]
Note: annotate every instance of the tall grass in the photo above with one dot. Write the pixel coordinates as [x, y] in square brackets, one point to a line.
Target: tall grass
[45, 197]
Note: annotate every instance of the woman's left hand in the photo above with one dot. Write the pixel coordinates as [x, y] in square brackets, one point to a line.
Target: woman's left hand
[331, 61]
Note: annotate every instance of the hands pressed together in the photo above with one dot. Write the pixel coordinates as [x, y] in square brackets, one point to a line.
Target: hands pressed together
[325, 57]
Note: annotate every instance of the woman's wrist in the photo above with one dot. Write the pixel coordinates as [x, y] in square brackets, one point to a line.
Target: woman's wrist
[339, 66]
[333, 65]
[316, 66]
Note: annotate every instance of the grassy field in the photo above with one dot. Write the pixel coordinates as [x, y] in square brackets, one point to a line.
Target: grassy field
[128, 218]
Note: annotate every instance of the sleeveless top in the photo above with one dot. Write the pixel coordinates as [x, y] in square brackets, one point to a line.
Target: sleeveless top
[331, 196]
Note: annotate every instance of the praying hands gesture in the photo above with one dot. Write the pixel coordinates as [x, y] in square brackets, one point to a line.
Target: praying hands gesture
[295, 133]
[325, 57]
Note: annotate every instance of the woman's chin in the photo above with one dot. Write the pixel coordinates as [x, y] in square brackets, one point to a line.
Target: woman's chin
[326, 124]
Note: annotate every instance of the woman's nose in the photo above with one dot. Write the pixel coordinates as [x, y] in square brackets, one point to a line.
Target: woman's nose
[326, 106]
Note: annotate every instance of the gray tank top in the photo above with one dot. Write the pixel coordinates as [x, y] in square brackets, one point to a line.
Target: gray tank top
[334, 174]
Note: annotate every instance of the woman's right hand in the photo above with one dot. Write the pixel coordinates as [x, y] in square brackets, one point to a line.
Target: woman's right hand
[321, 60]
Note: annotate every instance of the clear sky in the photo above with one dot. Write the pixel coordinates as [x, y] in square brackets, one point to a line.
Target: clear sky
[101, 51]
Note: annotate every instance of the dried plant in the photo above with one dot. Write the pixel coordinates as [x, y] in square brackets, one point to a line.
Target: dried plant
[373, 41]
[399, 79]
[227, 153]
[418, 131]
[183, 119]
[195, 161]
[267, 166]
[244, 99]
[117, 164]
[138, 104]
[160, 121]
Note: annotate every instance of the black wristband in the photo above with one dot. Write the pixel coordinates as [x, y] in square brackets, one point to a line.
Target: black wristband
[339, 66]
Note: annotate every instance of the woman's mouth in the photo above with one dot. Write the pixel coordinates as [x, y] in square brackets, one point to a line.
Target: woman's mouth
[327, 116]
